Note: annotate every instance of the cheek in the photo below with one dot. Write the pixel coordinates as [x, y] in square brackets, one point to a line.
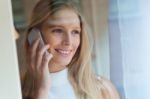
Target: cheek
[77, 43]
[53, 43]
[53, 40]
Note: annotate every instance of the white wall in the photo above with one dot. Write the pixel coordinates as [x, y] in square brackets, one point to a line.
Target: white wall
[130, 47]
[135, 39]
[9, 74]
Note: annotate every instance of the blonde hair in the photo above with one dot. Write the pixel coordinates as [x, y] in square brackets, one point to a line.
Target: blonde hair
[81, 75]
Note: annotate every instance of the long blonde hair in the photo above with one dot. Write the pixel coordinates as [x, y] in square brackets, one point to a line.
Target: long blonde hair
[81, 74]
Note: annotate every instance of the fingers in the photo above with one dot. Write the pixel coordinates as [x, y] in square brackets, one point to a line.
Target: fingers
[40, 55]
[47, 57]
[32, 53]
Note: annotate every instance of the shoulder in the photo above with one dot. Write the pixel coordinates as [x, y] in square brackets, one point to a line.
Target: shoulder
[109, 89]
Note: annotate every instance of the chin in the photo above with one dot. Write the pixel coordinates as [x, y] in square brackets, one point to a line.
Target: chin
[62, 62]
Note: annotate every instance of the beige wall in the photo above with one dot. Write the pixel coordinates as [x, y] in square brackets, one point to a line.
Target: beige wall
[96, 12]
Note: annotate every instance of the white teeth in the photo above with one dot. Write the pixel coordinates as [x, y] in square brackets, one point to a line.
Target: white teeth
[64, 52]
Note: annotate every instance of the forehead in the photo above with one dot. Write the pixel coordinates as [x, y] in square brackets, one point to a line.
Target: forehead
[64, 17]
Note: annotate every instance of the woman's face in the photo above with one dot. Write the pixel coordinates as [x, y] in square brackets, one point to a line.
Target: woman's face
[62, 32]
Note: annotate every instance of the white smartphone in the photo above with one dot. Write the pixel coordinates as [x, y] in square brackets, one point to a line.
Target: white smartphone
[35, 34]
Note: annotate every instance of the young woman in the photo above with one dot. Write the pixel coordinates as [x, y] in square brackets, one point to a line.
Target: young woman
[65, 72]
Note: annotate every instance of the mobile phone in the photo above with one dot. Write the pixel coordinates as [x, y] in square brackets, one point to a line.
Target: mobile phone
[35, 34]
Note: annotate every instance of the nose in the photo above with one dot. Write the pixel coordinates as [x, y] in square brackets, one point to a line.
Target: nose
[67, 39]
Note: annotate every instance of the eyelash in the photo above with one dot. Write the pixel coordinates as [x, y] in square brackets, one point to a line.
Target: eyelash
[57, 31]
[61, 31]
[76, 32]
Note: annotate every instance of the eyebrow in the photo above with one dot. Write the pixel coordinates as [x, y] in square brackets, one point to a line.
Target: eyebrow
[55, 25]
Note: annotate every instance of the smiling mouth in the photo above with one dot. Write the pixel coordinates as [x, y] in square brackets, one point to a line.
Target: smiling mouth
[63, 52]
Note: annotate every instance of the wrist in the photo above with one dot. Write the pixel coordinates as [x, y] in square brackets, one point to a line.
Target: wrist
[41, 94]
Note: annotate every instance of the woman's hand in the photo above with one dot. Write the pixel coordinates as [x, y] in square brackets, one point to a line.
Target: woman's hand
[38, 68]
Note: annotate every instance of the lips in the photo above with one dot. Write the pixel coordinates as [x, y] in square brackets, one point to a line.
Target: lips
[63, 52]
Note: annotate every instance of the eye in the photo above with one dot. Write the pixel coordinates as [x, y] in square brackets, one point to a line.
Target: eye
[76, 32]
[57, 31]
